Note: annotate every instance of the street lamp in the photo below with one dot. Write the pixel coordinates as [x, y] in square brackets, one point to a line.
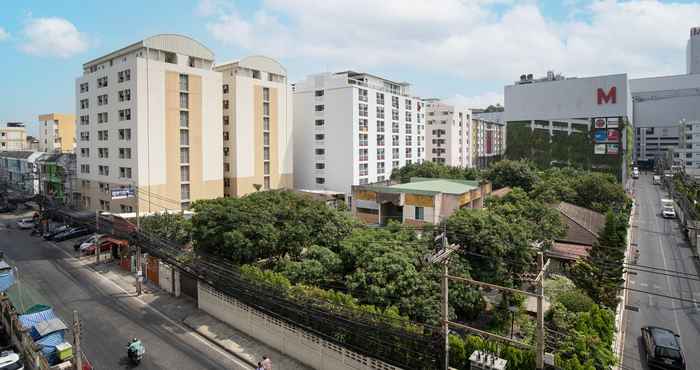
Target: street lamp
[513, 310]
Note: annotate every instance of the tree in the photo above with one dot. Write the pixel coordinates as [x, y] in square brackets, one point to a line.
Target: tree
[587, 340]
[520, 174]
[266, 224]
[600, 192]
[433, 170]
[169, 226]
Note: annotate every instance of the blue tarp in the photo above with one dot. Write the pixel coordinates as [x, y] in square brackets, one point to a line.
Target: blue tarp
[6, 280]
[48, 346]
[31, 319]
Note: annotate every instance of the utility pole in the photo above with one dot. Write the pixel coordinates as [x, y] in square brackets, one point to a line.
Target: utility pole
[76, 342]
[139, 273]
[540, 311]
[97, 238]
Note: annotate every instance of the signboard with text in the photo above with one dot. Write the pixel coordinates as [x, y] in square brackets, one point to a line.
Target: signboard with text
[613, 149]
[599, 149]
[122, 193]
[613, 122]
[614, 136]
[600, 136]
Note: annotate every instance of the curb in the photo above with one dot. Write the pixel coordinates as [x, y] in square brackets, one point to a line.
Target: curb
[214, 341]
[618, 344]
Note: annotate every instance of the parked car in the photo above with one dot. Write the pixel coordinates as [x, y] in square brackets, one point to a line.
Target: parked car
[89, 239]
[668, 212]
[89, 248]
[9, 207]
[26, 223]
[57, 230]
[72, 233]
[657, 180]
[10, 361]
[662, 348]
[635, 173]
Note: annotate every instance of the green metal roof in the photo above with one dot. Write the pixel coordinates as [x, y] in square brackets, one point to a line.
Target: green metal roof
[427, 186]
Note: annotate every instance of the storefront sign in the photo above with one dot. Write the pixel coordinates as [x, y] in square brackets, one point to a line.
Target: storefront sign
[613, 122]
[607, 98]
[600, 136]
[599, 122]
[599, 149]
[614, 136]
[613, 149]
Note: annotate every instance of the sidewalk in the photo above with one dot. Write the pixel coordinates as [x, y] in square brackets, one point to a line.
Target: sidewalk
[185, 311]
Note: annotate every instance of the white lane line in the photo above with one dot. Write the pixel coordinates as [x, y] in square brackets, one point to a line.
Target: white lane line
[186, 330]
[632, 281]
[668, 281]
[643, 285]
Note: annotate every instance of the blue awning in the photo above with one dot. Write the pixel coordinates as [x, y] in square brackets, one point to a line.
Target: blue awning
[30, 320]
[6, 280]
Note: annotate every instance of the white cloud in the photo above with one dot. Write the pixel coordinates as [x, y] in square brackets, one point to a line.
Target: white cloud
[4, 35]
[476, 101]
[53, 37]
[474, 40]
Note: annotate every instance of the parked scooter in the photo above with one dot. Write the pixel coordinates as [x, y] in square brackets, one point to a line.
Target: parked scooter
[135, 351]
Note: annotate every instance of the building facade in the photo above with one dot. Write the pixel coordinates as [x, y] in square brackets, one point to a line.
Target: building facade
[57, 133]
[19, 170]
[149, 117]
[354, 128]
[13, 138]
[257, 126]
[489, 138]
[448, 134]
[557, 121]
[58, 179]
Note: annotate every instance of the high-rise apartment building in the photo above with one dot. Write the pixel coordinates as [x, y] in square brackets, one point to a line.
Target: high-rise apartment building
[57, 133]
[257, 126]
[354, 128]
[13, 138]
[448, 134]
[490, 138]
[149, 117]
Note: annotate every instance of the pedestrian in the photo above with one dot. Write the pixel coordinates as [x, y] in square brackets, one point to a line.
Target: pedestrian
[259, 367]
[266, 363]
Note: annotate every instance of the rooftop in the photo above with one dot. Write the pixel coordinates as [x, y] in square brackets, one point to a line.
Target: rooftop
[174, 43]
[353, 74]
[426, 186]
[591, 223]
[16, 154]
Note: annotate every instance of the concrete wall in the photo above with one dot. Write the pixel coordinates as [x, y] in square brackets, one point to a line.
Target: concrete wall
[303, 346]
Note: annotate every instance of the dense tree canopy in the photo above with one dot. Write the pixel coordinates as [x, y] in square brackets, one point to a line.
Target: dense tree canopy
[169, 226]
[541, 221]
[433, 170]
[521, 174]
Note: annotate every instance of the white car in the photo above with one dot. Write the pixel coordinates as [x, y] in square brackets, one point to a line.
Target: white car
[668, 212]
[10, 361]
[635, 173]
[25, 223]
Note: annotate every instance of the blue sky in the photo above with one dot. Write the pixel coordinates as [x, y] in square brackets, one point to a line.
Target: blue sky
[463, 51]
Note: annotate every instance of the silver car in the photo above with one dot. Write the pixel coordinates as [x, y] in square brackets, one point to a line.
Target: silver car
[26, 223]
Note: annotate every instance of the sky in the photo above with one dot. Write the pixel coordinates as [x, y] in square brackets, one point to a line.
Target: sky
[463, 51]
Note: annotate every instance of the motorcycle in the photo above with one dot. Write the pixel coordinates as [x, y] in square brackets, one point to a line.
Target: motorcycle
[135, 351]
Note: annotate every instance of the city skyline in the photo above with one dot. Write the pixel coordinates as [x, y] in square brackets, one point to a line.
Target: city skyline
[474, 49]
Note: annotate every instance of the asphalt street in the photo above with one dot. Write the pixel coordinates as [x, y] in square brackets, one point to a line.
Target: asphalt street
[663, 245]
[110, 317]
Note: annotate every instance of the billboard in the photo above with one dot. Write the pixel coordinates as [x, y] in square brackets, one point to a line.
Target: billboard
[122, 193]
[613, 149]
[614, 136]
[600, 136]
[599, 149]
[613, 122]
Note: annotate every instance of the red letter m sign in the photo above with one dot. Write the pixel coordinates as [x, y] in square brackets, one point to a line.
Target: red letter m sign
[610, 97]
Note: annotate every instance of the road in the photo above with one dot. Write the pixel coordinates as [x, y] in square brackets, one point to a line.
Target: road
[662, 244]
[110, 317]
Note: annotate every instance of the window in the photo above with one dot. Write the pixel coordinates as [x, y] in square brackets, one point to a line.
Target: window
[266, 109]
[380, 154]
[380, 98]
[184, 155]
[380, 112]
[256, 74]
[380, 167]
[408, 104]
[102, 135]
[225, 152]
[380, 126]
[408, 116]
[226, 104]
[318, 93]
[102, 152]
[364, 169]
[84, 168]
[84, 136]
[318, 137]
[225, 135]
[395, 102]
[185, 173]
[266, 153]
[320, 180]
[419, 213]
[125, 134]
[184, 138]
[380, 178]
[363, 139]
[124, 114]
[266, 182]
[125, 153]
[266, 123]
[395, 127]
[84, 120]
[266, 138]
[364, 155]
[184, 101]
[380, 140]
[395, 164]
[125, 172]
[395, 140]
[408, 128]
[84, 103]
[102, 82]
[103, 170]
[266, 94]
[409, 153]
[266, 168]
[363, 110]
[362, 94]
[395, 153]
[102, 117]
[319, 108]
[184, 118]
[364, 181]
[320, 123]
[227, 183]
[320, 151]
[126, 209]
[124, 75]
[104, 205]
[320, 166]
[85, 152]
[185, 191]
[364, 125]
[102, 99]
[408, 140]
[395, 114]
[225, 88]
[226, 120]
[184, 82]
[125, 95]
[84, 87]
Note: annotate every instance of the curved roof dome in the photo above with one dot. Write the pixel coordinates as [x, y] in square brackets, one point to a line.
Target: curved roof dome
[179, 44]
[263, 63]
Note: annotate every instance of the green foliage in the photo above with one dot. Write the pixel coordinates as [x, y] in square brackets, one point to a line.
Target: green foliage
[557, 285]
[169, 226]
[521, 174]
[597, 191]
[266, 224]
[576, 301]
[518, 359]
[430, 169]
[458, 354]
[588, 342]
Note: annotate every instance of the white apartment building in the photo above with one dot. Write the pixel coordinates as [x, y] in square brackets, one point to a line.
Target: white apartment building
[354, 128]
[448, 134]
[57, 133]
[257, 126]
[13, 138]
[149, 117]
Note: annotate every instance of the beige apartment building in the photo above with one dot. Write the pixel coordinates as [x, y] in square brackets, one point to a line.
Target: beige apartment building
[57, 133]
[13, 138]
[257, 126]
[149, 118]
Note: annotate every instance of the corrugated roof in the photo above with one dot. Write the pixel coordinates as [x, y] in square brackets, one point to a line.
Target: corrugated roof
[590, 220]
[568, 251]
[420, 185]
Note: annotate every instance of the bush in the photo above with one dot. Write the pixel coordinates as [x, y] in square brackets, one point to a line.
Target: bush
[576, 301]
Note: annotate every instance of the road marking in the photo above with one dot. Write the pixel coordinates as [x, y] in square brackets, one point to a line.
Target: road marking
[185, 329]
[643, 285]
[632, 281]
[668, 280]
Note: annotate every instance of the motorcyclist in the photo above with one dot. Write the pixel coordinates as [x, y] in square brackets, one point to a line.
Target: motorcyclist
[135, 350]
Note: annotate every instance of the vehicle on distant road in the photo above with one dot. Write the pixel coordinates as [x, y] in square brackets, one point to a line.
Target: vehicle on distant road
[89, 247]
[89, 239]
[71, 233]
[667, 208]
[635, 173]
[25, 223]
[57, 230]
[662, 348]
[657, 180]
